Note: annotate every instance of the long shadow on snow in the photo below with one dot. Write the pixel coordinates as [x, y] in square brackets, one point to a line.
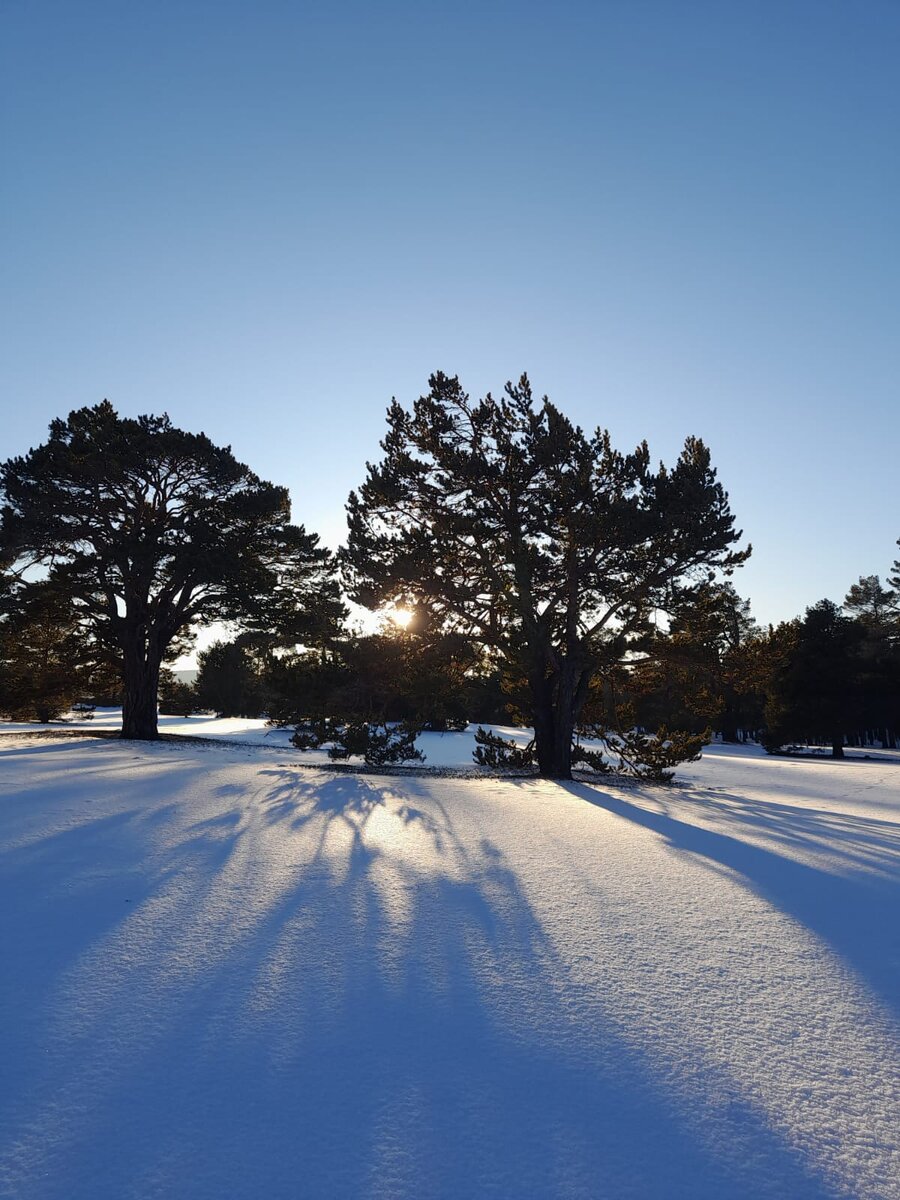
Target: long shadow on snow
[855, 911]
[383, 1028]
[65, 893]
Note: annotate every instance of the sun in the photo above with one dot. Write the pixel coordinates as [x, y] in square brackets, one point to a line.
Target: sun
[401, 616]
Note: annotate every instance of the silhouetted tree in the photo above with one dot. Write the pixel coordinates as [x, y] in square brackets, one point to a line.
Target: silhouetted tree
[874, 607]
[894, 580]
[299, 686]
[813, 692]
[417, 674]
[176, 696]
[150, 530]
[230, 680]
[46, 658]
[513, 528]
[689, 675]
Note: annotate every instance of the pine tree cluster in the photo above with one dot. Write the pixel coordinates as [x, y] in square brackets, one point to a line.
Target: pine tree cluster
[550, 582]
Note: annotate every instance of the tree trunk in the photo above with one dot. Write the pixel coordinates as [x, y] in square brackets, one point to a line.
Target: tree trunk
[542, 705]
[837, 746]
[728, 727]
[557, 701]
[139, 701]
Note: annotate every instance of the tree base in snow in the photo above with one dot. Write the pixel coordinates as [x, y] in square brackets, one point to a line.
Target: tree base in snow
[643, 756]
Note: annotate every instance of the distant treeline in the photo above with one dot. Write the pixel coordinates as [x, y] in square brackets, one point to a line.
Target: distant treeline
[830, 677]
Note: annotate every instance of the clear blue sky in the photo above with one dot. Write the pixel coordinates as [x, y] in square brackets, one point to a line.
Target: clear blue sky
[268, 218]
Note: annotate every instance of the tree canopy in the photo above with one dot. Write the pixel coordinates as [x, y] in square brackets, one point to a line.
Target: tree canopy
[149, 530]
[813, 691]
[506, 523]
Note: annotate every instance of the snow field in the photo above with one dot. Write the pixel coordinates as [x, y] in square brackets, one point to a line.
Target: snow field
[226, 976]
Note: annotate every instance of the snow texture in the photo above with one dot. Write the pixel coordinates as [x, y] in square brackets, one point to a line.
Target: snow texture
[226, 977]
[441, 750]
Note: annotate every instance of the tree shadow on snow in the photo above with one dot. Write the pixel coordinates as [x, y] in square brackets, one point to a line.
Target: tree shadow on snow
[852, 904]
[335, 990]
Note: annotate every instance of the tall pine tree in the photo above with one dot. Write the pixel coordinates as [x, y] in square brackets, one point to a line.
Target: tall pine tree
[507, 524]
[150, 530]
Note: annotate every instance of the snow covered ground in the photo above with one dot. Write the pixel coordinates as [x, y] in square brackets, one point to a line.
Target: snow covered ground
[441, 750]
[227, 977]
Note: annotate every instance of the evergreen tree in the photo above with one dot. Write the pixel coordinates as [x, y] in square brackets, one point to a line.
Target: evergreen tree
[230, 680]
[894, 581]
[150, 530]
[417, 674]
[814, 686]
[551, 548]
[46, 658]
[689, 676]
[176, 697]
[299, 686]
[874, 607]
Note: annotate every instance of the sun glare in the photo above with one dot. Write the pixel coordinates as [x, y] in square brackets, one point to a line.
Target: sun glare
[401, 616]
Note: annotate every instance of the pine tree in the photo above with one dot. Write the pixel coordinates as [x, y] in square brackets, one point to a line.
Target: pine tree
[894, 581]
[176, 697]
[46, 656]
[150, 530]
[813, 691]
[872, 604]
[689, 675]
[230, 680]
[512, 527]
[874, 607]
[416, 674]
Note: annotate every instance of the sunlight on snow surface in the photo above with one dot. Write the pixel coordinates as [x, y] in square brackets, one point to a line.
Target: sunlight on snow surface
[229, 977]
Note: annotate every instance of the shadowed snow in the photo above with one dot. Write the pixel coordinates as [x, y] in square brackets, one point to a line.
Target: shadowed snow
[226, 977]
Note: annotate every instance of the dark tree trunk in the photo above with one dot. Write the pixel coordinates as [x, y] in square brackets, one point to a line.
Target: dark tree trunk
[542, 715]
[730, 725]
[140, 692]
[837, 746]
[564, 720]
[553, 743]
[557, 701]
